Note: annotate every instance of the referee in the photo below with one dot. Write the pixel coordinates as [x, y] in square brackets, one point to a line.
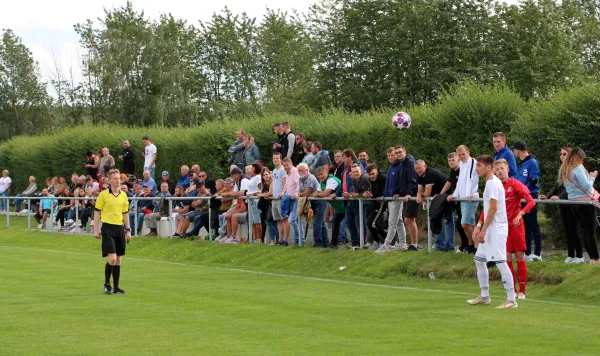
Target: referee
[112, 208]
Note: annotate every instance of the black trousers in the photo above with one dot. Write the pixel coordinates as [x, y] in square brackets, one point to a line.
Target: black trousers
[464, 239]
[572, 231]
[372, 210]
[337, 220]
[585, 217]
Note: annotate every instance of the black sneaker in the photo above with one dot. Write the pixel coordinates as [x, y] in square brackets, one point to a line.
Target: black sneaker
[108, 289]
[118, 291]
[412, 248]
[283, 243]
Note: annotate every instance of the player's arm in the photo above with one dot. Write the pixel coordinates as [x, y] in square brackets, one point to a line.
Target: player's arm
[488, 219]
[479, 224]
[523, 193]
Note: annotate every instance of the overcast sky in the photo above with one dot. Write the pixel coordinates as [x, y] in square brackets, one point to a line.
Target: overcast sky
[46, 27]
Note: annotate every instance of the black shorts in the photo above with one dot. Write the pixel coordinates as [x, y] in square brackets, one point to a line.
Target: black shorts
[113, 239]
[410, 210]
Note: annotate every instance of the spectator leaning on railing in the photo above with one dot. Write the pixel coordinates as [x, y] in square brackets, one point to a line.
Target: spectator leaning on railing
[450, 186]
[329, 185]
[431, 182]
[29, 192]
[408, 189]
[579, 184]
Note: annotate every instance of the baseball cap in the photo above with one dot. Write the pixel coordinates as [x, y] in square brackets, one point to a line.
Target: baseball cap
[165, 173]
[236, 170]
[520, 145]
[145, 138]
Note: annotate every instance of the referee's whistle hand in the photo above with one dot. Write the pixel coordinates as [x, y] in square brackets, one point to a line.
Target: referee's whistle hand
[96, 233]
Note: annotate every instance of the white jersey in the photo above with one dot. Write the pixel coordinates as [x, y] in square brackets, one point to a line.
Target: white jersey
[494, 248]
[149, 151]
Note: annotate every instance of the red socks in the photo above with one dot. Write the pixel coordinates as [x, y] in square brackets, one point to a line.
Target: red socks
[512, 271]
[522, 270]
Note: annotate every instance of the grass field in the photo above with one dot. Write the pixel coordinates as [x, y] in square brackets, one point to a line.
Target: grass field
[52, 303]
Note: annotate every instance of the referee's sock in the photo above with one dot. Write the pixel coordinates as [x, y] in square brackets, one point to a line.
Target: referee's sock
[108, 270]
[116, 274]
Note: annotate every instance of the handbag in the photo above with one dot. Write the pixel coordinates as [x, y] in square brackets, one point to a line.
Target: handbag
[595, 197]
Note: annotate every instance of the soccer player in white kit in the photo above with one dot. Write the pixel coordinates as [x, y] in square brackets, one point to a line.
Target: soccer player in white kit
[492, 236]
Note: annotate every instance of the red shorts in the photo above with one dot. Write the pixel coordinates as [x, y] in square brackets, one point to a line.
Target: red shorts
[516, 239]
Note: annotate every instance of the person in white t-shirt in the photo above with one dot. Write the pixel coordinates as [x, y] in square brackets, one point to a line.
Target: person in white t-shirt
[237, 213]
[5, 183]
[491, 237]
[149, 155]
[254, 189]
[467, 187]
[279, 177]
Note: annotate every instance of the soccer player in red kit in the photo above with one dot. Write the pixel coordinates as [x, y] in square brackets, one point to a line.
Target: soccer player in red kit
[515, 191]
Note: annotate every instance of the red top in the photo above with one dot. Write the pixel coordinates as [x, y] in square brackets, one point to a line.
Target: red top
[515, 191]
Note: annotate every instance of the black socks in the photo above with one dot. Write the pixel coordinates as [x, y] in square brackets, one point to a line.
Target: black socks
[108, 270]
[116, 272]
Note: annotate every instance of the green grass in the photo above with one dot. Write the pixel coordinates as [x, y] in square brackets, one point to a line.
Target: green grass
[202, 298]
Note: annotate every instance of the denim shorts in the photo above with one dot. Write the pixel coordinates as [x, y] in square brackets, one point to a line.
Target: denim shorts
[254, 211]
[468, 210]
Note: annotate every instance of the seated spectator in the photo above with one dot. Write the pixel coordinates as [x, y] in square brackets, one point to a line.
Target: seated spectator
[61, 186]
[75, 207]
[106, 162]
[184, 178]
[149, 181]
[74, 181]
[200, 207]
[179, 206]
[45, 208]
[5, 183]
[166, 179]
[192, 187]
[29, 192]
[251, 153]
[81, 181]
[64, 206]
[237, 213]
[161, 210]
[131, 182]
[226, 206]
[85, 211]
[208, 182]
[123, 179]
[195, 169]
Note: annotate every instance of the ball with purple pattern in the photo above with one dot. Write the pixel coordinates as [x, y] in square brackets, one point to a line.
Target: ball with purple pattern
[401, 121]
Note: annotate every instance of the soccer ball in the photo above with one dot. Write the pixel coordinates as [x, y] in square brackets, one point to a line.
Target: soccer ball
[401, 121]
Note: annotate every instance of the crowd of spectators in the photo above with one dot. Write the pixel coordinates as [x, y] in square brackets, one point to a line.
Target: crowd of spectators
[262, 204]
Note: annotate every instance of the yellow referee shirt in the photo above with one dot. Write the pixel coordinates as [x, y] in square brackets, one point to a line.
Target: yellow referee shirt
[112, 207]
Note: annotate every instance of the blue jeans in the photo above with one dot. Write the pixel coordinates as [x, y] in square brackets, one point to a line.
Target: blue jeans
[444, 241]
[19, 202]
[273, 232]
[293, 218]
[342, 234]
[151, 170]
[4, 202]
[319, 226]
[352, 222]
[199, 221]
[223, 232]
[140, 220]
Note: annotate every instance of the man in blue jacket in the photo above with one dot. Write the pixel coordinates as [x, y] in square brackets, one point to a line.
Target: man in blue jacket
[528, 173]
[503, 152]
[408, 188]
[391, 190]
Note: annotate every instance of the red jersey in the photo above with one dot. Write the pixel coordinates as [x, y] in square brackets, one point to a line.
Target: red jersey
[514, 192]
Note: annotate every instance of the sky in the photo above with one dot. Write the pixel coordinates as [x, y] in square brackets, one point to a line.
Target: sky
[46, 27]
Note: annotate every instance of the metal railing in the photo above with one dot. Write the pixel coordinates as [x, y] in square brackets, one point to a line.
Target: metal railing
[135, 200]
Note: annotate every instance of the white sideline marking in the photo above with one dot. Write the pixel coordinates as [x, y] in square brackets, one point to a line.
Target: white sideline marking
[317, 279]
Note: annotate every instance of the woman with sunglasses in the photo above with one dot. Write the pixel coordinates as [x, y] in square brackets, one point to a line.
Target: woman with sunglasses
[579, 184]
[574, 250]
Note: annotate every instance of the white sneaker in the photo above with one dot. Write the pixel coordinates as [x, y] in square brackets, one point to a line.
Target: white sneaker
[569, 260]
[578, 260]
[521, 296]
[537, 258]
[231, 240]
[69, 222]
[40, 226]
[24, 211]
[508, 304]
[480, 300]
[400, 247]
[367, 245]
[383, 249]
[528, 258]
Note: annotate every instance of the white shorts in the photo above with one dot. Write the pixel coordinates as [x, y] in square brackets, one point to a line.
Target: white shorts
[493, 250]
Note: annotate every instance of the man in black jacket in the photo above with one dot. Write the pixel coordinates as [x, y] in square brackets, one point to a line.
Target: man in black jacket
[127, 157]
[375, 209]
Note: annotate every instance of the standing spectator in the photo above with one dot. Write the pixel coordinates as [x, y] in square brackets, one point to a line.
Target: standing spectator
[308, 186]
[467, 187]
[375, 209]
[579, 184]
[431, 182]
[289, 145]
[254, 189]
[92, 164]
[450, 186]
[29, 192]
[299, 152]
[170, 184]
[361, 184]
[149, 182]
[290, 194]
[280, 145]
[149, 155]
[408, 189]
[352, 212]
[558, 191]
[321, 157]
[5, 183]
[395, 207]
[128, 158]
[329, 185]
[503, 152]
[106, 163]
[237, 150]
[337, 170]
[309, 158]
[528, 173]
[279, 177]
[250, 152]
[184, 178]
[363, 157]
[265, 206]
